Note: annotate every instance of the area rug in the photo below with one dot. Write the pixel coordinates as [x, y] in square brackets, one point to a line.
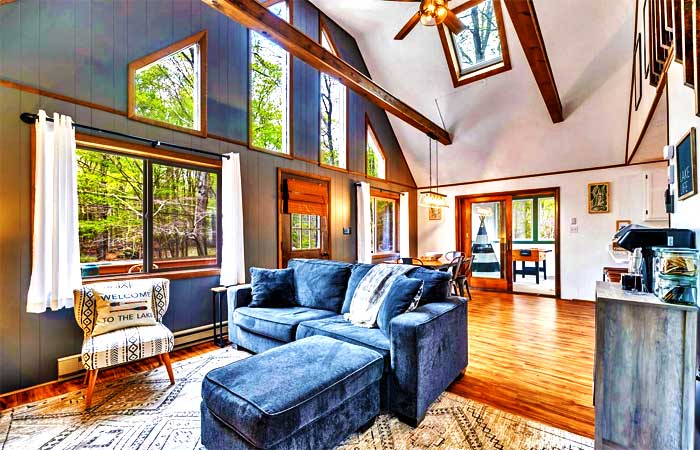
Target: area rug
[144, 412]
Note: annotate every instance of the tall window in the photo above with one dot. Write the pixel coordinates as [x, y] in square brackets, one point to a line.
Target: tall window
[118, 236]
[269, 90]
[480, 49]
[333, 114]
[383, 217]
[534, 219]
[170, 90]
[376, 161]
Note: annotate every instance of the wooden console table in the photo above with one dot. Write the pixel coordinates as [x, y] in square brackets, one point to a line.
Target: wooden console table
[644, 388]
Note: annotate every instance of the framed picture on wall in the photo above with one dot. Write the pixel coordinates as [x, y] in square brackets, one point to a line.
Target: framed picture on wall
[599, 198]
[435, 214]
[686, 166]
[620, 224]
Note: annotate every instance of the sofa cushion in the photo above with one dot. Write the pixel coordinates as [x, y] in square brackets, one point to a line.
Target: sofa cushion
[339, 328]
[272, 288]
[276, 323]
[319, 283]
[358, 272]
[268, 397]
[403, 296]
[436, 284]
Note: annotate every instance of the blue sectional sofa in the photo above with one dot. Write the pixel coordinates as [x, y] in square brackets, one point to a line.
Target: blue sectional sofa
[424, 351]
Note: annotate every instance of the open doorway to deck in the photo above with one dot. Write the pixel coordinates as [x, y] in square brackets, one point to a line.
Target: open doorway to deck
[514, 239]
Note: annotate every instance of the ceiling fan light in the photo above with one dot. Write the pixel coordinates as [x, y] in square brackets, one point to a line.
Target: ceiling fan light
[428, 20]
[440, 14]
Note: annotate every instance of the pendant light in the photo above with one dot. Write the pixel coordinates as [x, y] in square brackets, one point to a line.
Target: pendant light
[430, 198]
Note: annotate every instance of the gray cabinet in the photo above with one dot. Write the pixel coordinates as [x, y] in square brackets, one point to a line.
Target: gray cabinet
[644, 389]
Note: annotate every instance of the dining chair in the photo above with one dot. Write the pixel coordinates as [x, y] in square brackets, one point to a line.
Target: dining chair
[410, 261]
[463, 277]
[449, 256]
[454, 269]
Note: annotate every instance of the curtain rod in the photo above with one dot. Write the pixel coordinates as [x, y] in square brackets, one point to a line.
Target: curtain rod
[30, 119]
[379, 189]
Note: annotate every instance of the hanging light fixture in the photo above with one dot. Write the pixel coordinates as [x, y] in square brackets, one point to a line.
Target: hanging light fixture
[430, 198]
[433, 12]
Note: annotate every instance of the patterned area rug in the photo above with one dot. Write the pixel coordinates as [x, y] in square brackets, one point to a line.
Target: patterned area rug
[144, 412]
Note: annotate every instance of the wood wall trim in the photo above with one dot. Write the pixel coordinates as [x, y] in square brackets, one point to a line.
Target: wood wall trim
[197, 38]
[545, 174]
[522, 14]
[76, 101]
[253, 15]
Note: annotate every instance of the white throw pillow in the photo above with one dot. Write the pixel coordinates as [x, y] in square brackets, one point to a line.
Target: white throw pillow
[123, 304]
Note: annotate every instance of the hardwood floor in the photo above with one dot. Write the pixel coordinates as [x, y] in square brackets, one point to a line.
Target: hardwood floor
[533, 357]
[528, 355]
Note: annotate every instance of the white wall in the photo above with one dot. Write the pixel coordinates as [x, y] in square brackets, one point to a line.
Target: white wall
[681, 111]
[583, 254]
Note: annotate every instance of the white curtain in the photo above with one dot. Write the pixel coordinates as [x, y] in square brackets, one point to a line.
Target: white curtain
[232, 254]
[404, 227]
[55, 246]
[364, 226]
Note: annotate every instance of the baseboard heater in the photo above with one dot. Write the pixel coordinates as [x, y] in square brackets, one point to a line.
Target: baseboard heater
[70, 366]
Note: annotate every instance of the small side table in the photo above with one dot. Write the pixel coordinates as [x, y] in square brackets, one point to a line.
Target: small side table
[218, 315]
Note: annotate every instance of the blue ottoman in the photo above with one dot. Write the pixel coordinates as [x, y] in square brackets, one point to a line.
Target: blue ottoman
[308, 394]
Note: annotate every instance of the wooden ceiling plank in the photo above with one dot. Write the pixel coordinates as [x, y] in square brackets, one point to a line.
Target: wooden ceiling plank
[255, 16]
[522, 14]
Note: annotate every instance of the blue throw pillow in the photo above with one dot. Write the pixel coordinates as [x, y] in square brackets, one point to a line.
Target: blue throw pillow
[403, 296]
[272, 288]
[436, 286]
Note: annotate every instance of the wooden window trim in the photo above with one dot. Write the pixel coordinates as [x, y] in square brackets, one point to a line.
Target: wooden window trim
[170, 275]
[450, 55]
[535, 218]
[369, 128]
[290, 87]
[323, 30]
[197, 38]
[381, 193]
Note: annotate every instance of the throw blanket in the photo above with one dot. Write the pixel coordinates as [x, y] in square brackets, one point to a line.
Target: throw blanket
[372, 291]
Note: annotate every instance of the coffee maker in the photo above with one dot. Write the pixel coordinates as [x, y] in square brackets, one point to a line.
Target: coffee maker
[639, 236]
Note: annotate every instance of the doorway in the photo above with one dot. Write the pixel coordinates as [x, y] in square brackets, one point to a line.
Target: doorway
[303, 216]
[514, 239]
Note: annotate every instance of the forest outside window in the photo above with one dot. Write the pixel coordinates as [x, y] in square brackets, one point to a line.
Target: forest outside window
[384, 227]
[534, 220]
[481, 49]
[376, 161]
[168, 88]
[269, 90]
[117, 234]
[333, 114]
[306, 232]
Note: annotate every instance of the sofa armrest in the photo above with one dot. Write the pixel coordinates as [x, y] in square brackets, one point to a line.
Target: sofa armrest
[428, 352]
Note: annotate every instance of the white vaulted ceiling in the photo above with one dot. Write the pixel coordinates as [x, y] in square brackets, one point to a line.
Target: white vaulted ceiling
[500, 125]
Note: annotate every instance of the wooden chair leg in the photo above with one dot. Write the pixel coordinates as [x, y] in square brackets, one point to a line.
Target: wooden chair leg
[85, 378]
[168, 366]
[160, 359]
[92, 378]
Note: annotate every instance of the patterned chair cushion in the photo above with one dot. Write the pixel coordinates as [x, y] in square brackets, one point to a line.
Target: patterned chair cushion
[85, 302]
[126, 345]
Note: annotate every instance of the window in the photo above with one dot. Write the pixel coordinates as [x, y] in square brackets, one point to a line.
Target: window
[306, 232]
[116, 234]
[383, 217]
[534, 219]
[333, 113]
[376, 162]
[481, 49]
[168, 87]
[269, 90]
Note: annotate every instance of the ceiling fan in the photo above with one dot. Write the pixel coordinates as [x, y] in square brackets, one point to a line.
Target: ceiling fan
[431, 13]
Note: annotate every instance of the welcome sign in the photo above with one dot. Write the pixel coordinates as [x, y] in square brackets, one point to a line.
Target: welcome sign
[122, 305]
[686, 166]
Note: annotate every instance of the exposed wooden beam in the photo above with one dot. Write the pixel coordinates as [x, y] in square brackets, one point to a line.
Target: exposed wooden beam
[522, 14]
[255, 16]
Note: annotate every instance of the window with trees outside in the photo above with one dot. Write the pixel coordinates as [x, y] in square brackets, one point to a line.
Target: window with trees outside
[481, 49]
[269, 90]
[376, 161]
[117, 233]
[383, 215]
[168, 87]
[534, 220]
[306, 232]
[333, 113]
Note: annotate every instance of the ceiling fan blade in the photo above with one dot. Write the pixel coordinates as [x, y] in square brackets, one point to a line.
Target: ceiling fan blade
[410, 25]
[453, 22]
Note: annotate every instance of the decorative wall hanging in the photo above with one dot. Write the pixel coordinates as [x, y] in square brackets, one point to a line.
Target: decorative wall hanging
[599, 198]
[686, 166]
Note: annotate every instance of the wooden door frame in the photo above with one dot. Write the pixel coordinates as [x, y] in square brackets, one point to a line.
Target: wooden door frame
[281, 172]
[555, 191]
